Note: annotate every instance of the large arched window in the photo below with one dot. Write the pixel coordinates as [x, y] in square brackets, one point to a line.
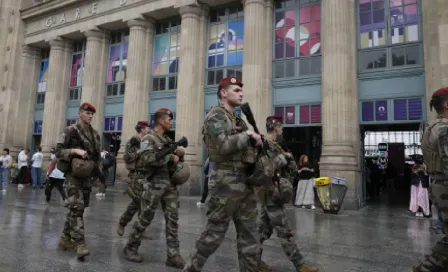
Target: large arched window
[116, 65]
[297, 38]
[389, 34]
[76, 71]
[225, 43]
[166, 55]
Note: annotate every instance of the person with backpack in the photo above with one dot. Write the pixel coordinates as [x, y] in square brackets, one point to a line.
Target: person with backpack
[107, 161]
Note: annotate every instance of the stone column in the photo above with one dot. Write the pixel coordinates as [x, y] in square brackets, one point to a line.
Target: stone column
[136, 97]
[27, 92]
[95, 72]
[190, 92]
[254, 62]
[442, 14]
[57, 91]
[339, 97]
[267, 90]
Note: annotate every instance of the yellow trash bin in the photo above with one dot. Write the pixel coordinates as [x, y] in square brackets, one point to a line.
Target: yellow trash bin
[331, 193]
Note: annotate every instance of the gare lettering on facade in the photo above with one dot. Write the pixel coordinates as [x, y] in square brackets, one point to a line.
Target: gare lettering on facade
[77, 14]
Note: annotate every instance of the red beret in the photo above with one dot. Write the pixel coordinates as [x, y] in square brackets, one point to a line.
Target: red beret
[88, 107]
[231, 81]
[440, 92]
[143, 123]
[274, 119]
[166, 111]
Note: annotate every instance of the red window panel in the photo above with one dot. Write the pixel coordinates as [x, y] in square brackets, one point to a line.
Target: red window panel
[280, 112]
[304, 114]
[316, 115]
[290, 115]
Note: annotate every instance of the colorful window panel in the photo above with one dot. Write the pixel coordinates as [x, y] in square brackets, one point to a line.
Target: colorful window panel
[77, 65]
[374, 111]
[310, 114]
[226, 37]
[118, 56]
[402, 22]
[408, 109]
[297, 30]
[112, 124]
[37, 128]
[70, 122]
[166, 55]
[43, 73]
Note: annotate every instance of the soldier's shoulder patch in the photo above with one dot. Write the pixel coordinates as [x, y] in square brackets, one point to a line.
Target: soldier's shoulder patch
[216, 125]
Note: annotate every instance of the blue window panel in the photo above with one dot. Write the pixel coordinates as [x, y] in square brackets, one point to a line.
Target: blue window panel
[106, 124]
[120, 123]
[367, 111]
[400, 109]
[381, 110]
[211, 61]
[415, 109]
[37, 129]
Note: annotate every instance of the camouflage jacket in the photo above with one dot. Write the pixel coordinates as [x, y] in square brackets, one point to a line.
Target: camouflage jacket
[75, 136]
[131, 154]
[435, 148]
[149, 146]
[224, 136]
[284, 167]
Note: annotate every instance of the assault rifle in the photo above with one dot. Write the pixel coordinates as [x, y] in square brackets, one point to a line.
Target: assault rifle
[169, 148]
[245, 108]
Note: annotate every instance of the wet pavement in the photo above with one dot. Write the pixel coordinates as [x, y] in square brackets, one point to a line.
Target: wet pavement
[373, 239]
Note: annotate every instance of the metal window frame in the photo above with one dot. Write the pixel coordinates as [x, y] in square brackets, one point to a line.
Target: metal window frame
[225, 67]
[123, 35]
[168, 75]
[388, 47]
[297, 57]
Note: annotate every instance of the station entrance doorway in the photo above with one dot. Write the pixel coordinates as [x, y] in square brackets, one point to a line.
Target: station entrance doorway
[388, 181]
[304, 141]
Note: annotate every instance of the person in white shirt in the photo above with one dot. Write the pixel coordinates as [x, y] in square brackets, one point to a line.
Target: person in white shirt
[22, 163]
[5, 164]
[36, 168]
[55, 179]
[52, 155]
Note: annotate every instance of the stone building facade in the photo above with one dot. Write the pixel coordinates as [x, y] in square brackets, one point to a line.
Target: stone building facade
[332, 65]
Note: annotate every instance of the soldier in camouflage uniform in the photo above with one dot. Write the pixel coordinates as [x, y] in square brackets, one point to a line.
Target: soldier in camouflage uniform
[435, 153]
[273, 215]
[83, 142]
[130, 158]
[226, 137]
[157, 187]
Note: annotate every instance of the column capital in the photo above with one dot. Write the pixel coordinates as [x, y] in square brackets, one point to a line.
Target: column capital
[60, 43]
[249, 2]
[30, 51]
[141, 23]
[96, 34]
[190, 11]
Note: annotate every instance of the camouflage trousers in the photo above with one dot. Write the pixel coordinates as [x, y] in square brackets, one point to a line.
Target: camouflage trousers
[438, 260]
[134, 206]
[230, 199]
[154, 192]
[78, 196]
[272, 218]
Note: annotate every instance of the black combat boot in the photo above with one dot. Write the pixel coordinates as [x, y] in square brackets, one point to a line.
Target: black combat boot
[132, 255]
[176, 262]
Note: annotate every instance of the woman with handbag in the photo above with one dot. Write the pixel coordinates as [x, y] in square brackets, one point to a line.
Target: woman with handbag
[305, 186]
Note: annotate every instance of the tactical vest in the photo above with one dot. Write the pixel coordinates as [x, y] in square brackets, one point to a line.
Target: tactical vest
[149, 146]
[234, 126]
[430, 149]
[130, 156]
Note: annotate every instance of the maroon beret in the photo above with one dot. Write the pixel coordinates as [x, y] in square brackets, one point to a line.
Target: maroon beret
[231, 81]
[274, 119]
[166, 111]
[440, 92]
[143, 123]
[88, 107]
